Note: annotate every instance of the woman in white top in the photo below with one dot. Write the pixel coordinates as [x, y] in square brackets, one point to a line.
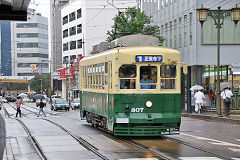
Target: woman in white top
[226, 93]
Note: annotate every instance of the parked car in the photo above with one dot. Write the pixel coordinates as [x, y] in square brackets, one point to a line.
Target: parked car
[39, 98]
[75, 103]
[11, 99]
[59, 104]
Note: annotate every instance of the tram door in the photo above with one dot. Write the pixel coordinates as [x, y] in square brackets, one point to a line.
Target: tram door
[110, 97]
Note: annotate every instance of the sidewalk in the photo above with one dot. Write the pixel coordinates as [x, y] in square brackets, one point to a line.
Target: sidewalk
[209, 116]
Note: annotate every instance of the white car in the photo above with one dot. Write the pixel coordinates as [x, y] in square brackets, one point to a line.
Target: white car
[75, 103]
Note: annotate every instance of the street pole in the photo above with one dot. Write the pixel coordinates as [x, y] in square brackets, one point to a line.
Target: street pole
[41, 80]
[218, 102]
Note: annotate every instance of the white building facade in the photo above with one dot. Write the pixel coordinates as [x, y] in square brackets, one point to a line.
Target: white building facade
[179, 25]
[84, 24]
[30, 45]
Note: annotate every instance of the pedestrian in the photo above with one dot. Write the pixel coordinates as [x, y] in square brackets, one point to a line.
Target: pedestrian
[19, 102]
[211, 95]
[41, 105]
[199, 99]
[226, 95]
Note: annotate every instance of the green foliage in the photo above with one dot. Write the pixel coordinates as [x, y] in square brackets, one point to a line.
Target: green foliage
[133, 21]
[35, 83]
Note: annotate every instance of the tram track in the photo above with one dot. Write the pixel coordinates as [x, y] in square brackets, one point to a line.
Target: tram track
[195, 147]
[23, 114]
[83, 142]
[34, 142]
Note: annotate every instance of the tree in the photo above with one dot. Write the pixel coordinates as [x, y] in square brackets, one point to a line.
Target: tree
[133, 21]
[35, 83]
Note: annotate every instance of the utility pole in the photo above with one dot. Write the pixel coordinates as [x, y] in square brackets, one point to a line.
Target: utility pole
[41, 79]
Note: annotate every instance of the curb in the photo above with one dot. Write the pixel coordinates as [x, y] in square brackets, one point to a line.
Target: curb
[212, 118]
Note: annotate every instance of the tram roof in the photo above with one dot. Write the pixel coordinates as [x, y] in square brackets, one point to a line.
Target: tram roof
[151, 49]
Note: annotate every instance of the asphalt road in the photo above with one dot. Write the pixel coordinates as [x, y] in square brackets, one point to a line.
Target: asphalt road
[198, 139]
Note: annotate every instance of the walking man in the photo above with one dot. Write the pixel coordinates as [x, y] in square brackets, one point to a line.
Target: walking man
[18, 105]
[199, 97]
[226, 96]
[41, 105]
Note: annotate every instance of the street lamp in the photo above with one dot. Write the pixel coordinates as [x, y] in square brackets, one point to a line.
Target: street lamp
[218, 16]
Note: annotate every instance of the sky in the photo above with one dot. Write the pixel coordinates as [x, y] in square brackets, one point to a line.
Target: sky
[41, 6]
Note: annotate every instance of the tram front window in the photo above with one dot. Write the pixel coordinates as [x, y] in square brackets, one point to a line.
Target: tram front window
[148, 74]
[168, 74]
[127, 75]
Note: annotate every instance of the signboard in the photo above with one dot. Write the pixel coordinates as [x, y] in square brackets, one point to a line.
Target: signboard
[56, 75]
[236, 68]
[64, 72]
[33, 67]
[148, 58]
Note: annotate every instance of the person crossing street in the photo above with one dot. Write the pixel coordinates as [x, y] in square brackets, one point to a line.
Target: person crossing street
[18, 105]
[41, 105]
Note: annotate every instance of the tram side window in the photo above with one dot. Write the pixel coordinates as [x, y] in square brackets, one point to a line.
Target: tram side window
[168, 74]
[106, 73]
[148, 74]
[127, 76]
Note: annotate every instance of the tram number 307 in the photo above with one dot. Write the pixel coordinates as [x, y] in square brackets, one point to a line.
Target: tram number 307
[137, 109]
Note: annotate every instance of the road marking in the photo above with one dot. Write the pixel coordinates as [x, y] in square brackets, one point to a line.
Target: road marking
[238, 139]
[199, 158]
[234, 149]
[216, 142]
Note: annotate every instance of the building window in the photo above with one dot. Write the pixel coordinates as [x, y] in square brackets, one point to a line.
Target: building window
[65, 33]
[72, 17]
[166, 34]
[27, 25]
[79, 43]
[65, 46]
[79, 13]
[27, 45]
[185, 30]
[65, 19]
[190, 32]
[32, 25]
[72, 31]
[180, 32]
[30, 55]
[32, 35]
[171, 34]
[72, 45]
[175, 33]
[79, 28]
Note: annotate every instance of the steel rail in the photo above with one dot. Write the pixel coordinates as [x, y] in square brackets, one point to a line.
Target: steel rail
[38, 109]
[16, 109]
[35, 144]
[84, 143]
[195, 147]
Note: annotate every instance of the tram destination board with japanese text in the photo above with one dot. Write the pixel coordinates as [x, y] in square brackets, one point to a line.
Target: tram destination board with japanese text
[148, 58]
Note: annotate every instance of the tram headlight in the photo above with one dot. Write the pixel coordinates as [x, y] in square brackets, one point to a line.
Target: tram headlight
[149, 104]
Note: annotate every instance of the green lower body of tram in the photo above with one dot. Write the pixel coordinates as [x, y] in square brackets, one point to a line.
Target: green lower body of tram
[128, 115]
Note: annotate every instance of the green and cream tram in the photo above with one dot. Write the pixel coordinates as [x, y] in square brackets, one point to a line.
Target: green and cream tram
[132, 91]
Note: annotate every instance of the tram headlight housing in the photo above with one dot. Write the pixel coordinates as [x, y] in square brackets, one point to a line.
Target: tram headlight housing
[149, 104]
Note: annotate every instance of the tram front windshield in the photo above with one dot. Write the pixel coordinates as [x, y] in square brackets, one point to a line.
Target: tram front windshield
[148, 78]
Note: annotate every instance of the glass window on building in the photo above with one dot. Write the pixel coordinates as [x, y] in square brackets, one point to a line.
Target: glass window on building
[72, 31]
[190, 28]
[29, 55]
[79, 28]
[26, 25]
[27, 45]
[127, 76]
[79, 13]
[229, 32]
[65, 33]
[65, 19]
[175, 33]
[180, 32]
[185, 30]
[72, 17]
[65, 46]
[72, 45]
[79, 43]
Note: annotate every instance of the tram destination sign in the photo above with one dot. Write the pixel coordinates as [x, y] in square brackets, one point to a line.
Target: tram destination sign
[148, 58]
